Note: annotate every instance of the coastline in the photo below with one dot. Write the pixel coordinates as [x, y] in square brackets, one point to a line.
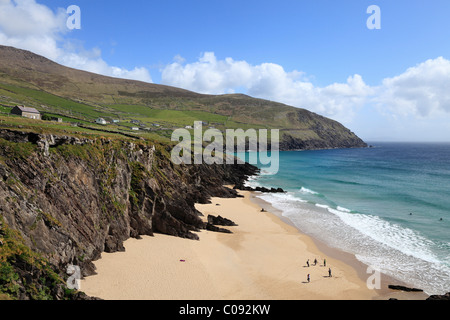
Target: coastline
[384, 293]
[264, 258]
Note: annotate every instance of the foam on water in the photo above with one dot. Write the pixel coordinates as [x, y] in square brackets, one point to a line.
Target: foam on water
[306, 190]
[392, 235]
[397, 251]
[343, 209]
[382, 204]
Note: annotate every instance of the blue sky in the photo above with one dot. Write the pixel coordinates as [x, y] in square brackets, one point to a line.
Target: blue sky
[387, 84]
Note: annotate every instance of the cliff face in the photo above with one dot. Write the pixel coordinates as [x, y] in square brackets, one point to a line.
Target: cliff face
[70, 199]
[322, 133]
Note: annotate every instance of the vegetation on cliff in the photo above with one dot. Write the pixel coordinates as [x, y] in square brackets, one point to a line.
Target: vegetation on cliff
[65, 199]
[27, 274]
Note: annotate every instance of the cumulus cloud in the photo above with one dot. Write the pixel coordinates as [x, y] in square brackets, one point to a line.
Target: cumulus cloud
[28, 25]
[25, 18]
[207, 75]
[421, 91]
[91, 61]
[269, 81]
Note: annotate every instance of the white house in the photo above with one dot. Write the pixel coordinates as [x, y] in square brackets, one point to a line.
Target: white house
[100, 121]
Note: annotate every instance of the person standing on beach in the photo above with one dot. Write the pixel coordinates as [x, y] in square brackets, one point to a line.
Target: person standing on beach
[315, 261]
[329, 272]
[307, 262]
[324, 262]
[308, 278]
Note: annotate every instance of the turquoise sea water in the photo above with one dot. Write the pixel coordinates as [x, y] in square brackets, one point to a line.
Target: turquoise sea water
[389, 205]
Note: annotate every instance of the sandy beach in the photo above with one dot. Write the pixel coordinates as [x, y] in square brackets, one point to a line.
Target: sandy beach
[265, 258]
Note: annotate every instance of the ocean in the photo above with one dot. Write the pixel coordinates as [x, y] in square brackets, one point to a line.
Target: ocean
[389, 205]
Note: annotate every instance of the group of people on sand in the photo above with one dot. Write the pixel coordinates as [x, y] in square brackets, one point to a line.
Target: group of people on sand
[308, 277]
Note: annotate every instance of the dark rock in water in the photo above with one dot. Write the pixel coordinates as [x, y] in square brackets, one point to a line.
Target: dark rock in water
[402, 288]
[82, 296]
[260, 189]
[212, 227]
[220, 221]
[444, 297]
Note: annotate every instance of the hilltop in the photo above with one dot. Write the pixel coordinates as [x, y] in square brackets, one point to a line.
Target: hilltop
[79, 96]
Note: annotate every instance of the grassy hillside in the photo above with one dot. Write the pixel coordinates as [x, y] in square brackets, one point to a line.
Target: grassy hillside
[78, 96]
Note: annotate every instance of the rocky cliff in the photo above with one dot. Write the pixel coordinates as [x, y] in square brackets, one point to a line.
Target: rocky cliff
[65, 200]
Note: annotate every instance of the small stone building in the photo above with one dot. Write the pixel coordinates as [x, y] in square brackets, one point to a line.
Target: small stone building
[26, 112]
[101, 121]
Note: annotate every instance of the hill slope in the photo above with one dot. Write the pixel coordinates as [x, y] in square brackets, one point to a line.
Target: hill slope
[33, 80]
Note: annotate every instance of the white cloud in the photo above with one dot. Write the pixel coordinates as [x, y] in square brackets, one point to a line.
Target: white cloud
[91, 61]
[28, 25]
[421, 91]
[207, 75]
[25, 18]
[416, 98]
[269, 81]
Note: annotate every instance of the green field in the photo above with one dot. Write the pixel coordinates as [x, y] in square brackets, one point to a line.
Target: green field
[37, 98]
[160, 121]
[82, 97]
[63, 107]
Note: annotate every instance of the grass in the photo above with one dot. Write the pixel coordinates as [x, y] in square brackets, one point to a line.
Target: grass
[5, 110]
[110, 131]
[51, 127]
[13, 253]
[72, 111]
[37, 98]
[17, 150]
[172, 118]
[159, 112]
[86, 96]
[170, 110]
[67, 119]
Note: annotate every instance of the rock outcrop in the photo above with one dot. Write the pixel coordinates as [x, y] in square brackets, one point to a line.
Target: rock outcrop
[70, 198]
[221, 221]
[442, 297]
[211, 227]
[242, 186]
[403, 288]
